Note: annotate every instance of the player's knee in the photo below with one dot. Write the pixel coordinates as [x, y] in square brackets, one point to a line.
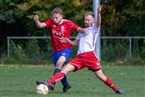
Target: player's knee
[68, 68]
[59, 65]
[64, 71]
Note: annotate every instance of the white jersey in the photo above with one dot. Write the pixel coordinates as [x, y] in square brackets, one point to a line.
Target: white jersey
[87, 40]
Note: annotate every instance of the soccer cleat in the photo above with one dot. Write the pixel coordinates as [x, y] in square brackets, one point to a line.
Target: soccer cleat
[65, 88]
[50, 86]
[120, 91]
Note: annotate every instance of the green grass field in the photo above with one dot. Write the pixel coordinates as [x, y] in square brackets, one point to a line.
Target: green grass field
[19, 81]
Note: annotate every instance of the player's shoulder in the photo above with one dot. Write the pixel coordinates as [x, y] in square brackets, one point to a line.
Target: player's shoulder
[67, 21]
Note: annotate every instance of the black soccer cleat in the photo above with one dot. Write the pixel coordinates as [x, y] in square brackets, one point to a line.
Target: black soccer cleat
[41, 82]
[50, 86]
[65, 88]
[120, 91]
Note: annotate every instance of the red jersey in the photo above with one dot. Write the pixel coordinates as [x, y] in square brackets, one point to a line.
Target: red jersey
[58, 31]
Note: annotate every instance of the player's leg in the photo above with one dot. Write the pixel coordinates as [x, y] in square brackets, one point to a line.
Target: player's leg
[105, 79]
[59, 66]
[74, 65]
[64, 56]
[55, 57]
[93, 64]
[60, 75]
[108, 81]
[64, 80]
[59, 59]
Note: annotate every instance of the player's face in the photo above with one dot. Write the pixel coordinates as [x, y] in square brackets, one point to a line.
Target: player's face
[88, 20]
[57, 18]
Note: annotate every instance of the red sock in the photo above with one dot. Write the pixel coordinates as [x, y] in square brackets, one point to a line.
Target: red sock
[57, 77]
[109, 83]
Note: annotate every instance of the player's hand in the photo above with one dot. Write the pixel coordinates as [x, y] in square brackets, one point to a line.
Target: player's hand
[84, 30]
[36, 18]
[100, 8]
[64, 40]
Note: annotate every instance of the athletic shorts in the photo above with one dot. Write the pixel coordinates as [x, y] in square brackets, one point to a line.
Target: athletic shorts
[66, 53]
[87, 59]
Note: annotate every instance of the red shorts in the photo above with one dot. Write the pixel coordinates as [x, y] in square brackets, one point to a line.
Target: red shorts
[87, 59]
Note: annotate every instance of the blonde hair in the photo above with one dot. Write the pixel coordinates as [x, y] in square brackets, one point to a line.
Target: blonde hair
[89, 13]
[57, 10]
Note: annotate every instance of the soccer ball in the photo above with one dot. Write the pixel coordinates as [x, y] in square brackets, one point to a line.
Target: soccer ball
[42, 89]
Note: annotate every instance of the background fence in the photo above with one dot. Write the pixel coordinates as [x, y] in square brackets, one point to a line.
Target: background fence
[36, 49]
[131, 42]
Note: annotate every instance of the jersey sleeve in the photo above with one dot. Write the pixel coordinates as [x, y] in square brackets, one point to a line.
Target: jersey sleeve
[74, 26]
[48, 23]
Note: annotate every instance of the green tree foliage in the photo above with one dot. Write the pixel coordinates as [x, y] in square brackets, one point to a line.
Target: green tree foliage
[135, 13]
[124, 17]
[12, 20]
[119, 17]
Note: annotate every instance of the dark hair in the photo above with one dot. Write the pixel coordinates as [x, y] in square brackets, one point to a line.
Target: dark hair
[57, 10]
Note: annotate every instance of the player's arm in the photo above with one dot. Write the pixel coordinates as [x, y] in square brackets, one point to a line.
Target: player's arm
[66, 40]
[98, 23]
[38, 23]
[81, 29]
[75, 27]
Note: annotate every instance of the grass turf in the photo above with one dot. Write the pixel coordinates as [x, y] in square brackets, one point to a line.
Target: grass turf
[19, 81]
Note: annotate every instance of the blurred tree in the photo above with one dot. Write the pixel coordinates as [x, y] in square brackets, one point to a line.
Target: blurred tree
[11, 21]
[119, 17]
[123, 18]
